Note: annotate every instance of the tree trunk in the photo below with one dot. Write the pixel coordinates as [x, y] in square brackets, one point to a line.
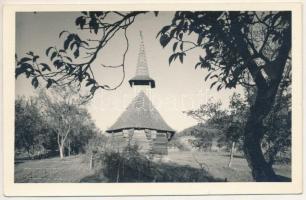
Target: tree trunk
[69, 148]
[266, 92]
[91, 161]
[232, 154]
[29, 154]
[261, 170]
[61, 150]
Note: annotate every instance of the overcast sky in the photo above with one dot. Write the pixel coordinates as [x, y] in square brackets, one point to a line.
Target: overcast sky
[179, 87]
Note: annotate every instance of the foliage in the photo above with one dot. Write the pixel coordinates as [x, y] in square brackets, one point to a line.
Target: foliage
[36, 132]
[230, 122]
[239, 48]
[234, 43]
[204, 138]
[277, 125]
[64, 67]
[30, 128]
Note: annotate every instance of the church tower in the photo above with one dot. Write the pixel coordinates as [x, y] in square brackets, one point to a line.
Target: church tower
[141, 123]
[142, 80]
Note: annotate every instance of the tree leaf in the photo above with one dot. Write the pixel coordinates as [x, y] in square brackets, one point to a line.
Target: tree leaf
[35, 58]
[80, 76]
[79, 20]
[53, 55]
[48, 50]
[76, 53]
[90, 81]
[196, 66]
[164, 40]
[181, 46]
[68, 40]
[35, 82]
[45, 67]
[24, 59]
[174, 46]
[181, 57]
[219, 87]
[49, 83]
[68, 58]
[72, 45]
[214, 76]
[171, 58]
[19, 71]
[93, 89]
[207, 76]
[62, 51]
[163, 30]
[180, 36]
[94, 25]
[61, 33]
[200, 38]
[212, 85]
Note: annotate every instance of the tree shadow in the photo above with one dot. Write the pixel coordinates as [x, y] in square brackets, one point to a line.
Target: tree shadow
[154, 172]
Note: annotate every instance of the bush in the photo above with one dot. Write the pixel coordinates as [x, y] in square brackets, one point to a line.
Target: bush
[131, 166]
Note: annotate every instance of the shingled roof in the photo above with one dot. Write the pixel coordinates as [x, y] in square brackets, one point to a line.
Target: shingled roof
[140, 114]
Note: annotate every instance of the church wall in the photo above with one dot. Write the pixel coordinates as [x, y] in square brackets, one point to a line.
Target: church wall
[139, 138]
[148, 141]
[117, 141]
[160, 144]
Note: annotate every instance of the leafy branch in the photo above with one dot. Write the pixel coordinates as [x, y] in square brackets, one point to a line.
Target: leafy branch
[65, 67]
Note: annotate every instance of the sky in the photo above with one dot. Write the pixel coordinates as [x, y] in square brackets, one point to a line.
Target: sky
[179, 87]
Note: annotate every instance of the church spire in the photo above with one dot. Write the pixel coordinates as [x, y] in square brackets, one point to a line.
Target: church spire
[142, 72]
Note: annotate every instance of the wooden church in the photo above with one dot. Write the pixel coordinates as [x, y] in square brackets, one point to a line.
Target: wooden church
[141, 123]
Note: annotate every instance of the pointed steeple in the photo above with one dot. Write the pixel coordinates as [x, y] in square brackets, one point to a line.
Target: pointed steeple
[142, 72]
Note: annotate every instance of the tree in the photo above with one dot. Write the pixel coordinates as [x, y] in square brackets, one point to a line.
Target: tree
[203, 138]
[95, 146]
[230, 122]
[62, 112]
[277, 125]
[239, 111]
[29, 127]
[65, 68]
[82, 131]
[239, 48]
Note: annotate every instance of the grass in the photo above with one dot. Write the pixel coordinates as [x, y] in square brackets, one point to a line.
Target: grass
[53, 170]
[75, 168]
[217, 162]
[140, 170]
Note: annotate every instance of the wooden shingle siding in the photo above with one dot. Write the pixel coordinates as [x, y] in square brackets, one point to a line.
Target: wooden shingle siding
[148, 141]
[160, 144]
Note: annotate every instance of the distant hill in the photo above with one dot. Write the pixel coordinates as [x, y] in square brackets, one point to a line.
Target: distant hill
[182, 140]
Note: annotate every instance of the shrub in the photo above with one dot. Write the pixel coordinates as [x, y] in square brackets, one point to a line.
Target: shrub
[131, 166]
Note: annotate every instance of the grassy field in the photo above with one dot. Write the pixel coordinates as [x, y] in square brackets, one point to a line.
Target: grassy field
[53, 170]
[216, 164]
[75, 168]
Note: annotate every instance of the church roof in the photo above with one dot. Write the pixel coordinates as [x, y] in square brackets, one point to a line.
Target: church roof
[140, 114]
[142, 76]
